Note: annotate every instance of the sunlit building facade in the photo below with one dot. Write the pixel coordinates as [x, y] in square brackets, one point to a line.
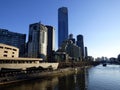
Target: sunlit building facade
[8, 51]
[37, 41]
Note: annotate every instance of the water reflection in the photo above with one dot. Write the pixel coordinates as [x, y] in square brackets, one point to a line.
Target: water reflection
[48, 84]
[69, 82]
[72, 82]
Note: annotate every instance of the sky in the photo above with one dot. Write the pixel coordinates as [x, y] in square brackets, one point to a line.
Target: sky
[97, 20]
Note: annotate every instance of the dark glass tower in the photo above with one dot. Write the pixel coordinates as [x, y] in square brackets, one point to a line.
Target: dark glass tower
[50, 42]
[13, 39]
[86, 52]
[80, 43]
[62, 25]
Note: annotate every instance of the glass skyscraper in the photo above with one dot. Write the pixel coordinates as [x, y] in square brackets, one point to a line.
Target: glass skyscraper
[13, 39]
[62, 25]
[80, 43]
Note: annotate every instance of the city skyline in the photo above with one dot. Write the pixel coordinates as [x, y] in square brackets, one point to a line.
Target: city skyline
[98, 21]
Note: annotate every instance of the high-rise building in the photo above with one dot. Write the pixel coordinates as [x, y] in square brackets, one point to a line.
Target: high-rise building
[62, 25]
[71, 49]
[71, 38]
[14, 39]
[80, 43]
[50, 42]
[37, 41]
[86, 52]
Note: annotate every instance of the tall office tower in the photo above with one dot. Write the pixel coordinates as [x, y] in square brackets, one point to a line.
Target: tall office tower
[62, 25]
[50, 42]
[71, 38]
[14, 39]
[86, 52]
[37, 41]
[80, 43]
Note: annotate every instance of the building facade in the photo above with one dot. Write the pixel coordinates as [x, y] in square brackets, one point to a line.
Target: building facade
[80, 43]
[62, 25]
[73, 51]
[50, 42]
[8, 51]
[14, 39]
[37, 41]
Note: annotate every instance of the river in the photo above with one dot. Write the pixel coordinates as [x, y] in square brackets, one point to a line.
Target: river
[94, 78]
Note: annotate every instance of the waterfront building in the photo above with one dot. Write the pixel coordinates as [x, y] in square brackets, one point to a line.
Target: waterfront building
[8, 51]
[80, 43]
[62, 25]
[37, 41]
[50, 42]
[9, 60]
[13, 39]
[71, 38]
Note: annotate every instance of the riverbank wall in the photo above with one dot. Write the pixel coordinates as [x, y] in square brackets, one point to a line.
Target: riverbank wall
[63, 69]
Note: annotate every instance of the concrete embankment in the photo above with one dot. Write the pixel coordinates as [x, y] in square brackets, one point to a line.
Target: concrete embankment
[64, 69]
[36, 75]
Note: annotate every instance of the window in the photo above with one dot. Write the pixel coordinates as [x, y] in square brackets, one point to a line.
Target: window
[1, 47]
[7, 48]
[5, 55]
[5, 51]
[14, 50]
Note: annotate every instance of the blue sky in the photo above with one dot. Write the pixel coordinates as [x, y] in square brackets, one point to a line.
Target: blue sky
[97, 20]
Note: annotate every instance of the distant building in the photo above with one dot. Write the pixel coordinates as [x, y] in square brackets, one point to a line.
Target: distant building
[118, 57]
[80, 43]
[8, 51]
[61, 56]
[62, 25]
[86, 52]
[71, 38]
[37, 41]
[50, 42]
[71, 49]
[13, 39]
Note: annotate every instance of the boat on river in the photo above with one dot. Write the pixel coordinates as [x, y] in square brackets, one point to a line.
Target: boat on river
[104, 64]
